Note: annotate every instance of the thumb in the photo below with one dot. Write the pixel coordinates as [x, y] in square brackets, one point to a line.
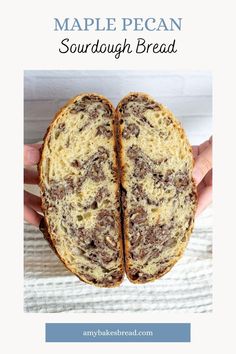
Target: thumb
[203, 164]
[31, 155]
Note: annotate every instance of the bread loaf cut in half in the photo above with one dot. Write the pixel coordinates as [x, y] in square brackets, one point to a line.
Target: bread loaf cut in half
[80, 190]
[158, 192]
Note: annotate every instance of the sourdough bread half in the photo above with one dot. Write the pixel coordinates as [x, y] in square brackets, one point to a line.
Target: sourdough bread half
[158, 192]
[80, 190]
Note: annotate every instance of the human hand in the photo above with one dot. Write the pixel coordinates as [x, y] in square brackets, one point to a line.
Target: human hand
[32, 203]
[202, 174]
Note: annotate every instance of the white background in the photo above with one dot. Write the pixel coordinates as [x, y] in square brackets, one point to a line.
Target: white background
[206, 42]
[187, 93]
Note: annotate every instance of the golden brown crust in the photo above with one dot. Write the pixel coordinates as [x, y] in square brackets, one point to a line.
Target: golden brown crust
[44, 227]
[122, 178]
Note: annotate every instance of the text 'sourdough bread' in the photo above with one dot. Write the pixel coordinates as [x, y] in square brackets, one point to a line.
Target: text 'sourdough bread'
[80, 190]
[158, 192]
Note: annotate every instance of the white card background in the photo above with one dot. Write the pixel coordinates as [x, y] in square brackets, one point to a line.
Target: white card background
[205, 44]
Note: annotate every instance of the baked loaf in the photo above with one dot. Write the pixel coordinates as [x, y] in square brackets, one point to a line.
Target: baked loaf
[158, 192]
[103, 171]
[80, 190]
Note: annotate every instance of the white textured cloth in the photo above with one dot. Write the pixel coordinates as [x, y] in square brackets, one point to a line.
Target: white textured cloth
[50, 287]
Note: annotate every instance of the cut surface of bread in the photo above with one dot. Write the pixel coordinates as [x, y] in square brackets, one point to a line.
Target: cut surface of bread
[158, 192]
[80, 190]
[102, 172]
